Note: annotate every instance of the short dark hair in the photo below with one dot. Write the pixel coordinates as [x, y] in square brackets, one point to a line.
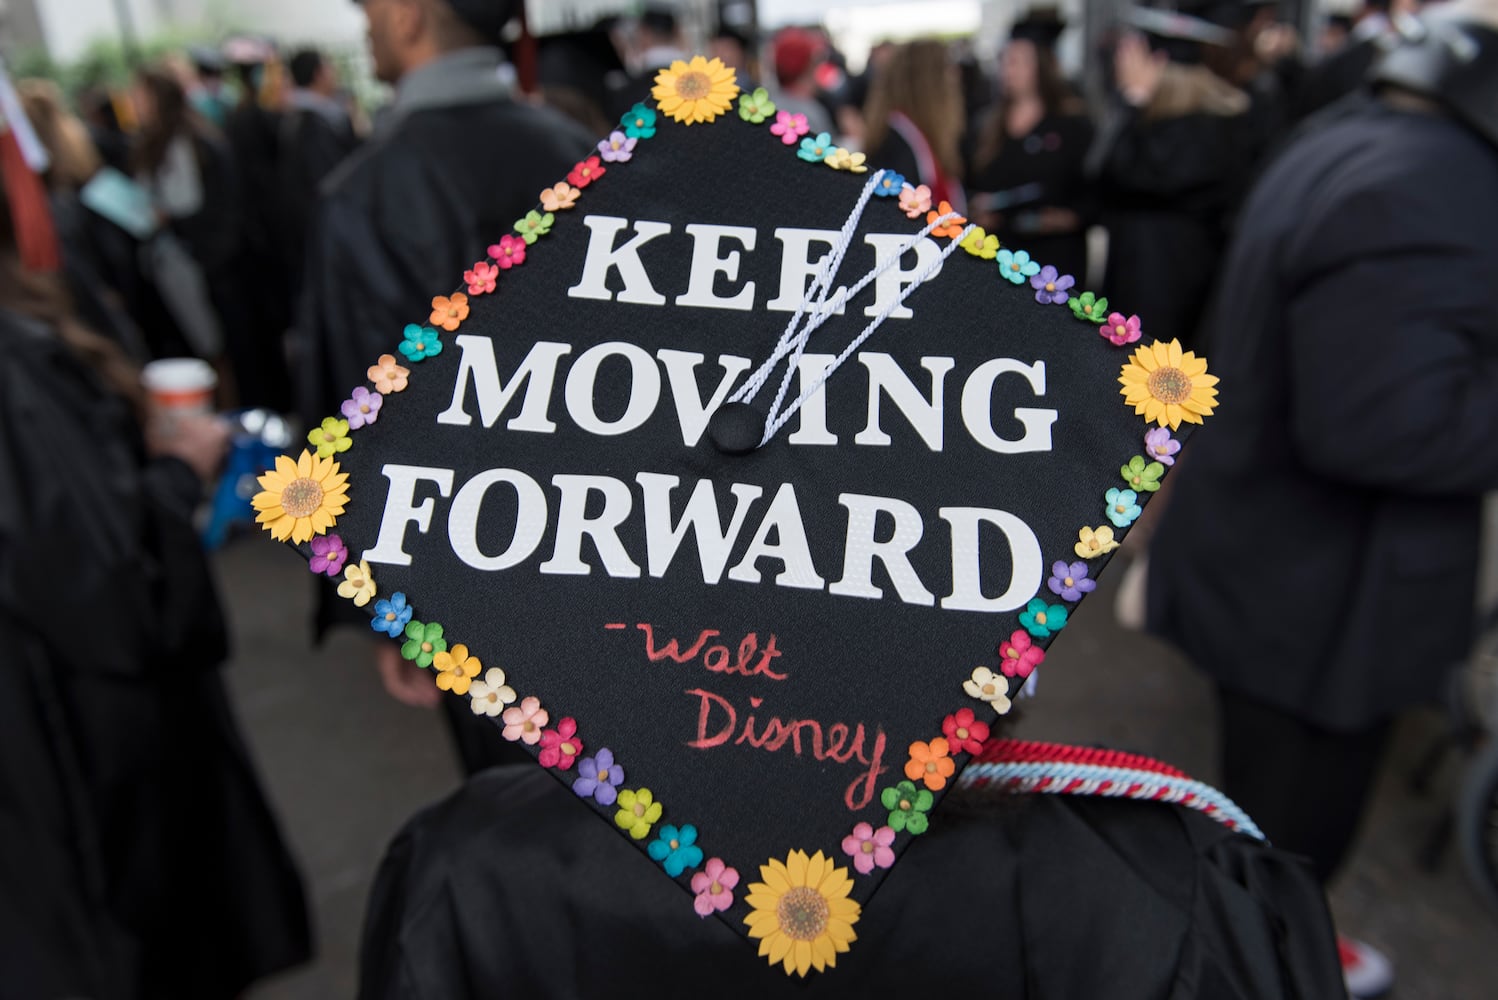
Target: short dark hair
[305, 64]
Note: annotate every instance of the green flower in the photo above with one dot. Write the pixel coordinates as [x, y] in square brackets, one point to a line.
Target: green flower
[907, 807]
[639, 122]
[330, 438]
[1141, 476]
[756, 107]
[423, 642]
[1090, 308]
[534, 225]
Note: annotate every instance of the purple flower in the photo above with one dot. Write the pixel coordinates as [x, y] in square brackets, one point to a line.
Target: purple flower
[1161, 446]
[1050, 286]
[617, 148]
[363, 407]
[1070, 582]
[598, 776]
[328, 555]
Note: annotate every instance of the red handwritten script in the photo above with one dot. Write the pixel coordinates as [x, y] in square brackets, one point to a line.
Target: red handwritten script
[716, 658]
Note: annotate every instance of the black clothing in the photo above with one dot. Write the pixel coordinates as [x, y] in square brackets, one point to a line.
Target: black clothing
[1306, 787]
[1320, 550]
[399, 222]
[510, 889]
[138, 857]
[1040, 170]
[1336, 76]
[312, 146]
[1166, 187]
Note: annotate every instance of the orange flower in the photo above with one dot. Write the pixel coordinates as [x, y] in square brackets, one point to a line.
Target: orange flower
[448, 312]
[929, 763]
[388, 376]
[951, 229]
[559, 196]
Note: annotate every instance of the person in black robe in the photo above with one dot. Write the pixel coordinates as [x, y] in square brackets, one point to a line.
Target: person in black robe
[1319, 556]
[451, 167]
[1342, 73]
[510, 888]
[316, 136]
[138, 857]
[1025, 177]
[1168, 166]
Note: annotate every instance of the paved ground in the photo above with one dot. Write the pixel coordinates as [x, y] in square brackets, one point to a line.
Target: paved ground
[346, 766]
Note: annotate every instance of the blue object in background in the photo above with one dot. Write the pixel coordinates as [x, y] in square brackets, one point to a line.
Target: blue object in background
[259, 436]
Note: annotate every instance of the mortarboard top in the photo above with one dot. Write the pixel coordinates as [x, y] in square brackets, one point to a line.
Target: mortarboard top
[1041, 26]
[744, 488]
[1180, 35]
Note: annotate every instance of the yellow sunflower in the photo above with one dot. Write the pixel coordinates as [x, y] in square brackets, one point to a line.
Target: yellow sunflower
[302, 498]
[802, 914]
[698, 91]
[1168, 386]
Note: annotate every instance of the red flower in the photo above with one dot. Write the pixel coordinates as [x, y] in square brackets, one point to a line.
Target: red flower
[1019, 656]
[560, 746]
[586, 172]
[481, 278]
[964, 732]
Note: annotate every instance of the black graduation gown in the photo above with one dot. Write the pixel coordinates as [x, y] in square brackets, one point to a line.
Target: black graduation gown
[138, 857]
[1166, 188]
[510, 889]
[399, 222]
[1043, 169]
[312, 146]
[1334, 499]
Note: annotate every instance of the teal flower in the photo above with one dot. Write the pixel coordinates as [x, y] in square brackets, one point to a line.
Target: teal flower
[1123, 507]
[423, 642]
[676, 849]
[908, 806]
[1017, 266]
[1142, 476]
[1089, 308]
[639, 122]
[1043, 620]
[816, 148]
[756, 107]
[421, 342]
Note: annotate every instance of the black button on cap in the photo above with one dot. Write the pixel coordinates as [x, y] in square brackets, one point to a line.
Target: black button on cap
[736, 428]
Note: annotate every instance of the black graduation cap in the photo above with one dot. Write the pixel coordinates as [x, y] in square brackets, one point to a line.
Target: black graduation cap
[1179, 35]
[1041, 26]
[744, 487]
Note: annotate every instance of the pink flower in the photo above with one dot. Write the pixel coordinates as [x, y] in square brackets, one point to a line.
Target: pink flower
[915, 201]
[789, 127]
[714, 887]
[869, 847]
[560, 746]
[509, 251]
[1120, 331]
[1019, 656]
[524, 721]
[482, 277]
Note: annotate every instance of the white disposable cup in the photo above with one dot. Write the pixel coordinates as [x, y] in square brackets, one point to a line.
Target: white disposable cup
[180, 386]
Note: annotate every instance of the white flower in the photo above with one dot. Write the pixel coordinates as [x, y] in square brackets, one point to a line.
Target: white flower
[985, 685]
[490, 695]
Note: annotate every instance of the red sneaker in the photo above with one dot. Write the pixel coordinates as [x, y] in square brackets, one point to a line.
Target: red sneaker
[1365, 970]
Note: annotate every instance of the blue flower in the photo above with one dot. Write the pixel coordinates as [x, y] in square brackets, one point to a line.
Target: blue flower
[1043, 620]
[1123, 507]
[676, 849]
[392, 616]
[890, 185]
[421, 342]
[816, 148]
[1017, 266]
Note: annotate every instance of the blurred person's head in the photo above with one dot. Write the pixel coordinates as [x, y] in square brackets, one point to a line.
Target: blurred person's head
[921, 82]
[1334, 34]
[1449, 68]
[797, 54]
[311, 71]
[74, 159]
[657, 28]
[1028, 71]
[407, 34]
[735, 49]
